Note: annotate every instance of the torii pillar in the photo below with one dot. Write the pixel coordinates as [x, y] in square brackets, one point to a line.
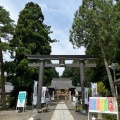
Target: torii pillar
[40, 83]
[82, 79]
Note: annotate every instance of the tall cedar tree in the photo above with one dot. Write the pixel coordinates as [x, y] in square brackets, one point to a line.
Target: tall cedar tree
[31, 37]
[95, 27]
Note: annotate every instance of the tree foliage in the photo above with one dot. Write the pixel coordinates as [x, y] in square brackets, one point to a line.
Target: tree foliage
[31, 37]
[102, 89]
[73, 74]
[6, 31]
[96, 27]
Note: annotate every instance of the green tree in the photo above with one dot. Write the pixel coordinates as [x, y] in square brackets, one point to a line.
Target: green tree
[117, 17]
[6, 31]
[31, 37]
[95, 27]
[73, 73]
[101, 89]
[67, 73]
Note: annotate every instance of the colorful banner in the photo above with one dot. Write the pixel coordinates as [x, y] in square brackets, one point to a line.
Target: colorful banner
[86, 95]
[94, 89]
[103, 104]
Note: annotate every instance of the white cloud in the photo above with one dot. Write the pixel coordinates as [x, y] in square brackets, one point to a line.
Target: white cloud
[64, 46]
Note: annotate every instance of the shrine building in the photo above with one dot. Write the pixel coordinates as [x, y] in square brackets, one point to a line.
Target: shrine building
[62, 88]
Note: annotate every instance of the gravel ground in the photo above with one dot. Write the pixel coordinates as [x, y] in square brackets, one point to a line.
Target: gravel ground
[76, 115]
[13, 115]
[46, 115]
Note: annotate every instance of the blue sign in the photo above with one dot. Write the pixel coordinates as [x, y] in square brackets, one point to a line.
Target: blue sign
[21, 99]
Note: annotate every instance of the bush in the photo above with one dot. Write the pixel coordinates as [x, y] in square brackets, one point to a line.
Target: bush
[11, 102]
[109, 117]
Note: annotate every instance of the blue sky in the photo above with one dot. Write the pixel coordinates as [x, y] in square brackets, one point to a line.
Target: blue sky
[59, 15]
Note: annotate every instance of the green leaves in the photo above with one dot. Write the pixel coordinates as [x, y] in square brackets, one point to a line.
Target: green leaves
[4, 16]
[6, 23]
[6, 31]
[101, 89]
[96, 27]
[96, 24]
[92, 23]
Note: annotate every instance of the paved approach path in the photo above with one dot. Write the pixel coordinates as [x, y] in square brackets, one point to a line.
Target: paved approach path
[62, 112]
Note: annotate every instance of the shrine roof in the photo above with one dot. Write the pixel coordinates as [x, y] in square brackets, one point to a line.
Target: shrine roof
[61, 83]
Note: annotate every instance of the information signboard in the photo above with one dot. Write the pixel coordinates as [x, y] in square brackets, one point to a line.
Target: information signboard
[21, 99]
[103, 105]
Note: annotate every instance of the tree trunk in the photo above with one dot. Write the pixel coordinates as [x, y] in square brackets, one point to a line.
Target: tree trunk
[108, 72]
[3, 96]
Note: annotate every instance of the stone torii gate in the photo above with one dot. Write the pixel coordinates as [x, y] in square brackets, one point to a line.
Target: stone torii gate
[42, 58]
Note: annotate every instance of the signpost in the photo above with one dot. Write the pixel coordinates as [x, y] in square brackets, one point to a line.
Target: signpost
[21, 100]
[101, 105]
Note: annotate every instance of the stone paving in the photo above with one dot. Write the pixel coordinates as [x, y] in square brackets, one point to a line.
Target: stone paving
[62, 113]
